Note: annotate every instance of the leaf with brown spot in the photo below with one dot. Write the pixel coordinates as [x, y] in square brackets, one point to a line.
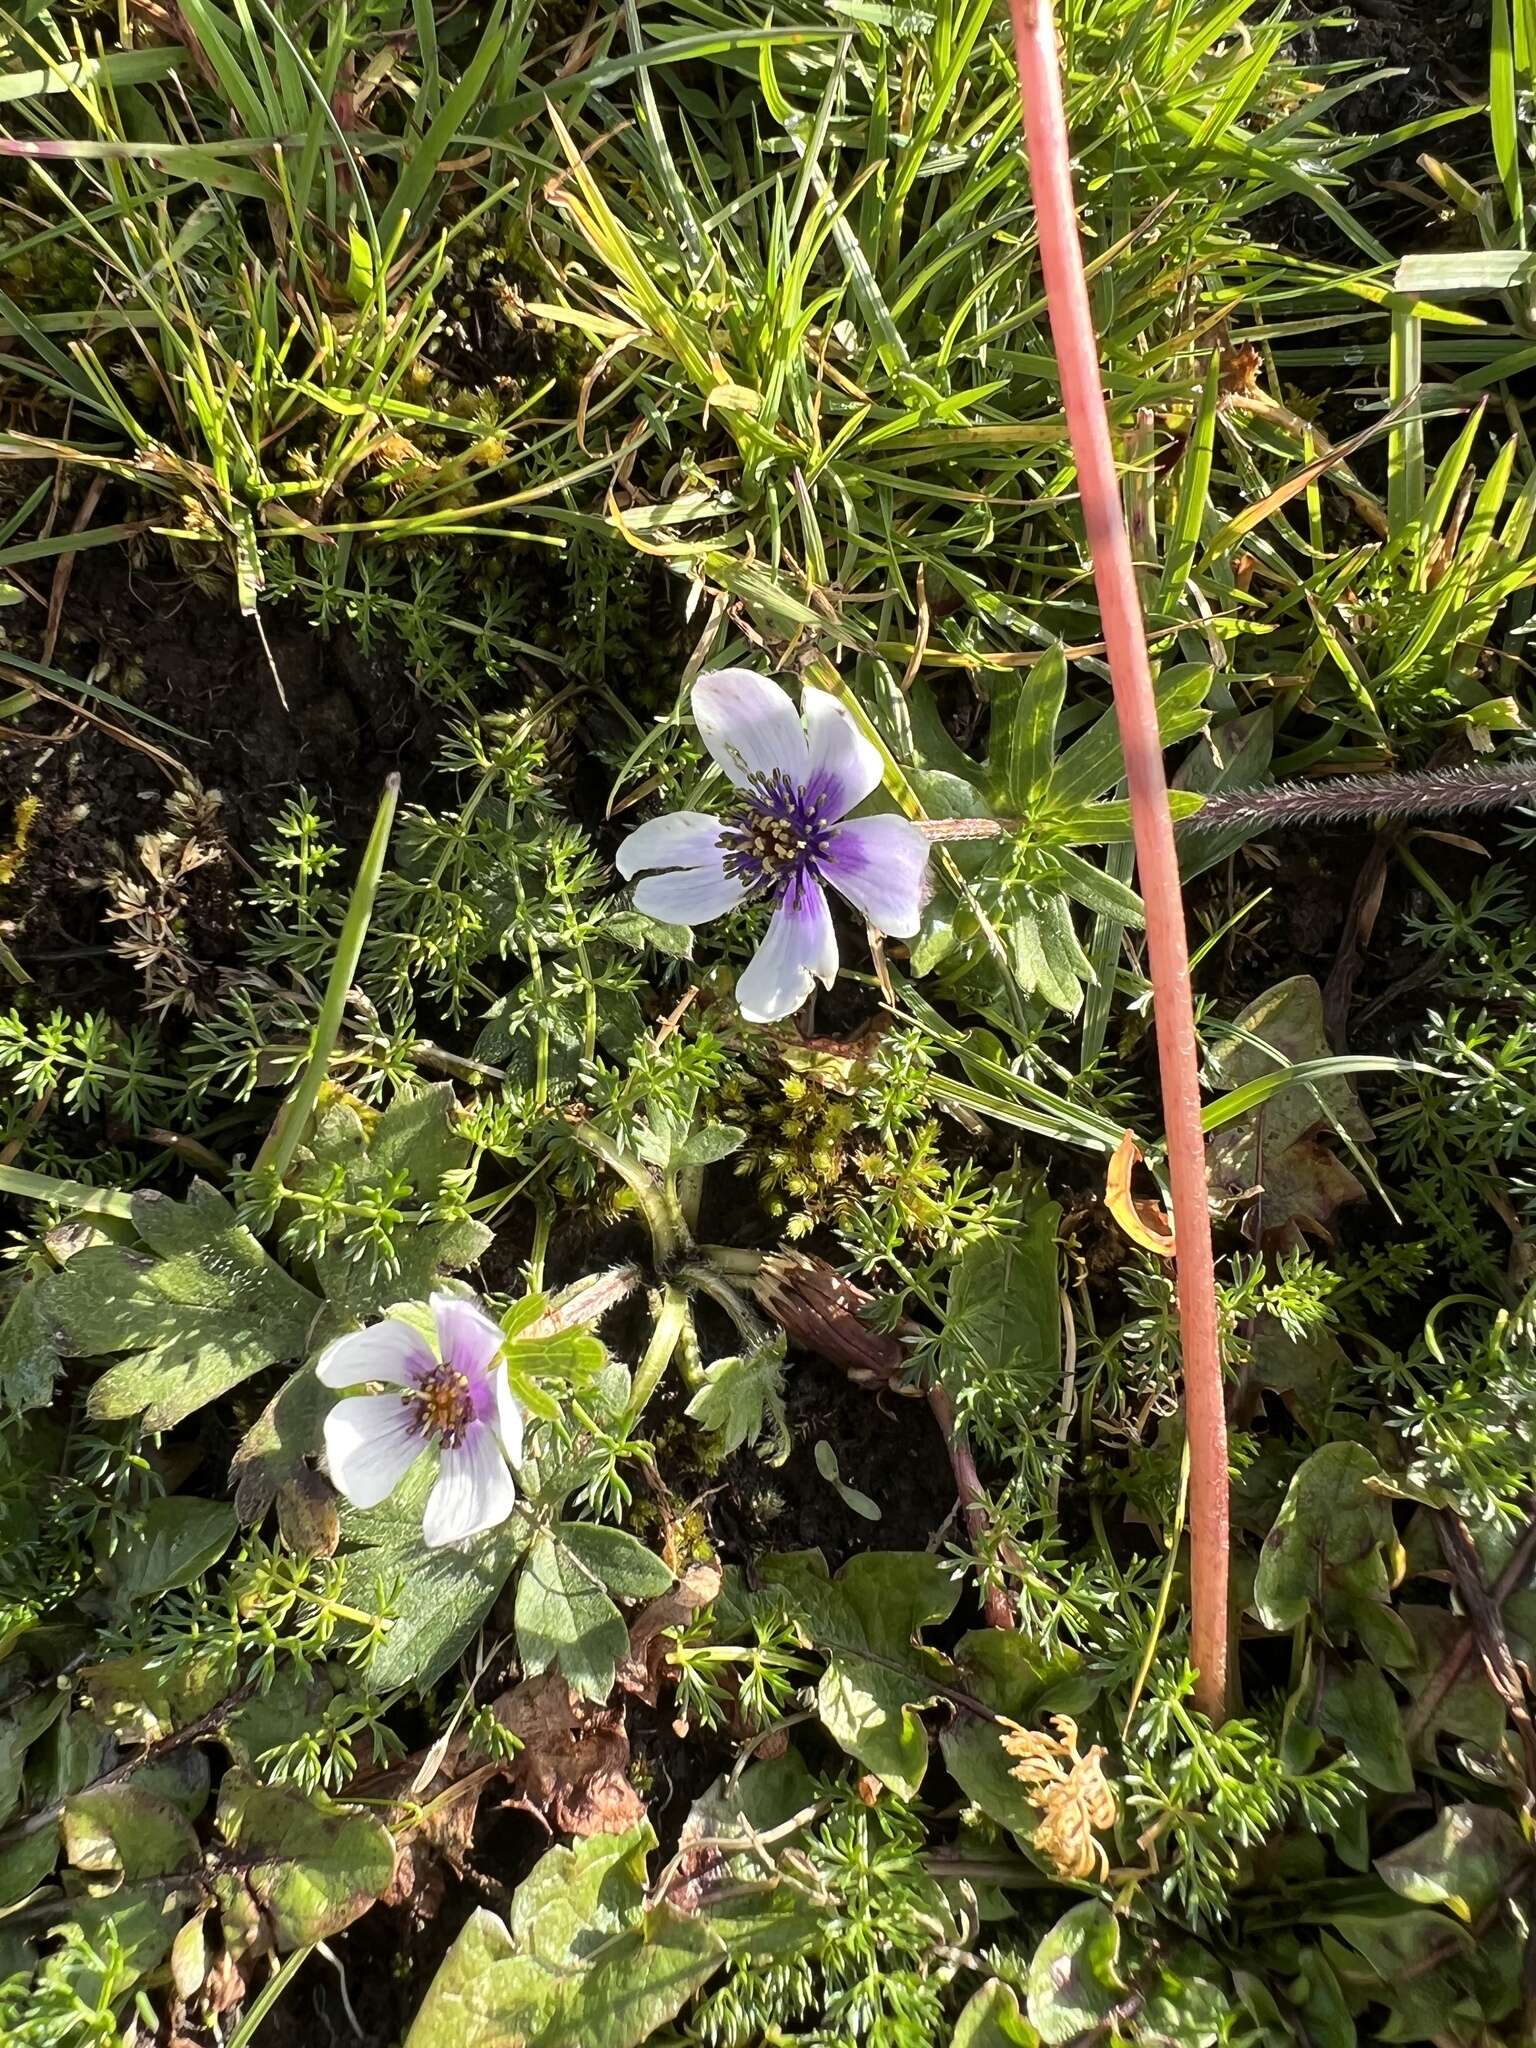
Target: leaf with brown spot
[294, 1871]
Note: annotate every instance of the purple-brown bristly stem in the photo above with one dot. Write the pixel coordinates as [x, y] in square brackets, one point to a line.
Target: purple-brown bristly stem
[1420, 793]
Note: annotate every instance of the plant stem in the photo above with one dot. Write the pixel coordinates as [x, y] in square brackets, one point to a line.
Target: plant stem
[74, 1195]
[666, 1227]
[671, 1313]
[1071, 317]
[704, 1276]
[995, 1601]
[292, 1120]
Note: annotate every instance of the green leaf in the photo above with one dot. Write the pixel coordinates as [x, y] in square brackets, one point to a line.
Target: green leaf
[634, 929]
[1471, 1709]
[564, 1615]
[19, 1729]
[29, 1356]
[1320, 2005]
[742, 1402]
[1234, 755]
[1095, 762]
[438, 1598]
[1009, 1675]
[1282, 1084]
[689, 1145]
[1097, 891]
[937, 751]
[639, 1985]
[175, 1540]
[572, 1355]
[485, 1995]
[1002, 1323]
[362, 267]
[1325, 1554]
[1465, 1861]
[404, 1156]
[139, 1920]
[25, 1863]
[295, 1870]
[850, 1496]
[1074, 1983]
[1423, 1966]
[1359, 1709]
[992, 2019]
[274, 1451]
[878, 1676]
[1304, 1370]
[203, 1314]
[953, 796]
[582, 1965]
[574, 1899]
[1025, 709]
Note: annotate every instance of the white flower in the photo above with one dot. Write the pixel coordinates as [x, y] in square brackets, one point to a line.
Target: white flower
[455, 1397]
[788, 835]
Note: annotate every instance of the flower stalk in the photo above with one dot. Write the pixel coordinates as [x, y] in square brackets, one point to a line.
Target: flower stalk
[1072, 329]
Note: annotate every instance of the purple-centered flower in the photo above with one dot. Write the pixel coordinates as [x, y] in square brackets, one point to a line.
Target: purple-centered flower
[786, 837]
[454, 1397]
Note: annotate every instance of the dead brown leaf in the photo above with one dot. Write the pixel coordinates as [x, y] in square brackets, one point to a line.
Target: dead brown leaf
[572, 1767]
[643, 1669]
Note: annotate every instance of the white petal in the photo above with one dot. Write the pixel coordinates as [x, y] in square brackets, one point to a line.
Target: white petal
[390, 1351]
[371, 1442]
[689, 895]
[509, 1416]
[749, 726]
[466, 1335]
[800, 946]
[881, 865]
[682, 839]
[844, 766]
[474, 1490]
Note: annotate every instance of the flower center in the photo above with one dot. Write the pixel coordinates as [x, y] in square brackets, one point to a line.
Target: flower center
[443, 1405]
[776, 831]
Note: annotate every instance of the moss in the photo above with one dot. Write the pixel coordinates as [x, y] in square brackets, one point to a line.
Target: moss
[15, 853]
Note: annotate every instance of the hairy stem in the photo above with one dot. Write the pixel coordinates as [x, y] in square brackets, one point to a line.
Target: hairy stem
[1071, 317]
[1427, 792]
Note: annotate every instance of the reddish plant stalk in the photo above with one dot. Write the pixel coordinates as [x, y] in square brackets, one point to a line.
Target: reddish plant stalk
[1072, 330]
[996, 1604]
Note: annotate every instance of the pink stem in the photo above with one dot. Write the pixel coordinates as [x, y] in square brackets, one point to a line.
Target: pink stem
[1061, 256]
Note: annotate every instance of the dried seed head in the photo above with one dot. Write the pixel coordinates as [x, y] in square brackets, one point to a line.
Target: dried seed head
[824, 1313]
[1071, 1793]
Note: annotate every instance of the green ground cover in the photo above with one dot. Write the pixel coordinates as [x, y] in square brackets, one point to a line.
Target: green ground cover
[758, 1612]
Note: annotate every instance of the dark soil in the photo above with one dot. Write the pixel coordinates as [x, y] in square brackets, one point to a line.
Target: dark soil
[1437, 58]
[317, 714]
[1442, 50]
